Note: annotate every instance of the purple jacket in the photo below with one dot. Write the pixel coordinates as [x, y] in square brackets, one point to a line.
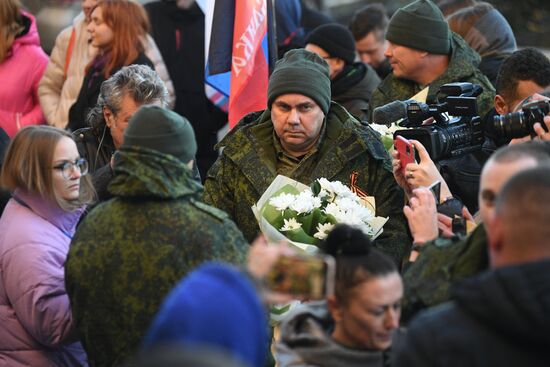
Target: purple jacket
[37, 328]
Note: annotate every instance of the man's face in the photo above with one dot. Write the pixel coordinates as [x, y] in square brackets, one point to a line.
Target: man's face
[406, 62]
[334, 63]
[524, 89]
[118, 122]
[493, 177]
[369, 318]
[87, 6]
[371, 49]
[297, 121]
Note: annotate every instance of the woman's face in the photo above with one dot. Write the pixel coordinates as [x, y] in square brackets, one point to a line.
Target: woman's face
[66, 152]
[370, 315]
[100, 33]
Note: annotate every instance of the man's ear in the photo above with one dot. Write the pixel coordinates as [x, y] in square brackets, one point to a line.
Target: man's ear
[335, 308]
[495, 237]
[500, 105]
[109, 117]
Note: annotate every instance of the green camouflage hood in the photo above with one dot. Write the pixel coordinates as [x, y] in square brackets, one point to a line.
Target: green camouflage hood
[143, 172]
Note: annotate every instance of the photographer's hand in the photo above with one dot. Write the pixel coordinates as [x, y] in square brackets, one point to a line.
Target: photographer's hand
[425, 173]
[541, 133]
[421, 215]
[398, 174]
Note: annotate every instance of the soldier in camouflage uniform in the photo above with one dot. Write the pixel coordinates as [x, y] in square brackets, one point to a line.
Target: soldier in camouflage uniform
[443, 262]
[420, 30]
[339, 148]
[130, 251]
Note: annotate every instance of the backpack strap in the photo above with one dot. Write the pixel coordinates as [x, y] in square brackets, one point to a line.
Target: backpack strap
[69, 53]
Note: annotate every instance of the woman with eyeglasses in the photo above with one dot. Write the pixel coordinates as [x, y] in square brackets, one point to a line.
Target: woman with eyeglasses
[50, 189]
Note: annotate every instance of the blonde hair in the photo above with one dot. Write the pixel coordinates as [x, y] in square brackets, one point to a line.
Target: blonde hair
[28, 166]
[10, 25]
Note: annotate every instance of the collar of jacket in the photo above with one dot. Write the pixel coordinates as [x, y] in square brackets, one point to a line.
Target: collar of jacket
[143, 172]
[250, 146]
[463, 64]
[48, 210]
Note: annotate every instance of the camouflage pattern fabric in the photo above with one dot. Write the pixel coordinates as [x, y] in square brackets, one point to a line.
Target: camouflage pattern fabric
[129, 251]
[442, 263]
[462, 68]
[248, 164]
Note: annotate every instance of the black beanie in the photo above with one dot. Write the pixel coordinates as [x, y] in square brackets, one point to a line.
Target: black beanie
[335, 39]
[302, 72]
[420, 25]
[163, 130]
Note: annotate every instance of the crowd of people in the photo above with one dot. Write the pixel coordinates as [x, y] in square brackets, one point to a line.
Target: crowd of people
[127, 235]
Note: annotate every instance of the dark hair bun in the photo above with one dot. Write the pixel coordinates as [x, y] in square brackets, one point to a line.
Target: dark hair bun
[347, 240]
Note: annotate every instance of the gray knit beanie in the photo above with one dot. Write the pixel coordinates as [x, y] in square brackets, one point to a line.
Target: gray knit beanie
[420, 25]
[163, 130]
[302, 72]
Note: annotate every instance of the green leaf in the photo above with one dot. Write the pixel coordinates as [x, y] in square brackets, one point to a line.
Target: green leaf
[315, 187]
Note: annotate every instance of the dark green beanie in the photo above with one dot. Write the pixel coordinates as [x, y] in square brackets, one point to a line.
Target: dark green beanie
[420, 25]
[163, 130]
[302, 72]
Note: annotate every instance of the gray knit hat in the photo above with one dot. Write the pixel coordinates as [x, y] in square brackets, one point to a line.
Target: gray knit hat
[420, 25]
[302, 72]
[163, 130]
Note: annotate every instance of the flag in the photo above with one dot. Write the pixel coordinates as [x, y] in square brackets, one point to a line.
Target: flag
[237, 67]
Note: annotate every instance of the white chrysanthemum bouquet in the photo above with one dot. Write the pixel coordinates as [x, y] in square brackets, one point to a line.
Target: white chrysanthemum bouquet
[305, 215]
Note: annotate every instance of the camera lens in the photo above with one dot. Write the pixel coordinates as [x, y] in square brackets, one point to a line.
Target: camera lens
[510, 126]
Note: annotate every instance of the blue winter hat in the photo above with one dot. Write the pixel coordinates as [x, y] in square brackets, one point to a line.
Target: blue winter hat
[215, 305]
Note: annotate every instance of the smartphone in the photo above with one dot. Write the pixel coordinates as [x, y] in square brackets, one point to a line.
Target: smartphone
[435, 188]
[406, 151]
[306, 277]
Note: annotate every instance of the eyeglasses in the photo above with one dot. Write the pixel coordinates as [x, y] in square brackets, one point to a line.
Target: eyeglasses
[67, 167]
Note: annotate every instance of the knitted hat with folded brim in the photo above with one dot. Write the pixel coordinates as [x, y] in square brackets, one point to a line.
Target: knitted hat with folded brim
[301, 72]
[420, 25]
[335, 39]
[162, 130]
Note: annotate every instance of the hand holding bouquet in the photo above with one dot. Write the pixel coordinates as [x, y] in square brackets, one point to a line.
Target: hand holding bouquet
[305, 215]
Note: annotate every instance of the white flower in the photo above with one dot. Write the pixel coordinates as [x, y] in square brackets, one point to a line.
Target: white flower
[323, 230]
[282, 201]
[341, 190]
[325, 184]
[304, 202]
[290, 224]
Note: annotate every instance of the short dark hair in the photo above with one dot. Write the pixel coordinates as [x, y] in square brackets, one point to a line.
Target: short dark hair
[356, 260]
[372, 17]
[525, 201]
[526, 64]
[448, 7]
[538, 150]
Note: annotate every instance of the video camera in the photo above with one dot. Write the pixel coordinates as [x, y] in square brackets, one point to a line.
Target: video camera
[456, 127]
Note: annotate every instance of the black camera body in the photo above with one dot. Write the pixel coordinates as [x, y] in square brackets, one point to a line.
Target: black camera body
[456, 129]
[519, 124]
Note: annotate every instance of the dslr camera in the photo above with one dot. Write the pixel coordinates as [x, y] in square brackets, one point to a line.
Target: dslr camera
[456, 128]
[519, 124]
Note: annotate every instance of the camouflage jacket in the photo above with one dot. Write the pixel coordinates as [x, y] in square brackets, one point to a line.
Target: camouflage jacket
[441, 263]
[248, 162]
[462, 68]
[129, 251]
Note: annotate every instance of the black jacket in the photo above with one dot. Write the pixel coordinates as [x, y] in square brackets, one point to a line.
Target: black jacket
[89, 92]
[499, 318]
[179, 35]
[353, 87]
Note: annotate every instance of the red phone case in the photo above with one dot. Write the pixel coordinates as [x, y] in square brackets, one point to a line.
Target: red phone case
[406, 151]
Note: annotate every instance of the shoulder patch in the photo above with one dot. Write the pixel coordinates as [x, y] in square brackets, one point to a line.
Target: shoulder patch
[210, 210]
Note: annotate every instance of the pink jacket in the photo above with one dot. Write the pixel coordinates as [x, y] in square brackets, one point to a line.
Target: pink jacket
[37, 328]
[20, 74]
